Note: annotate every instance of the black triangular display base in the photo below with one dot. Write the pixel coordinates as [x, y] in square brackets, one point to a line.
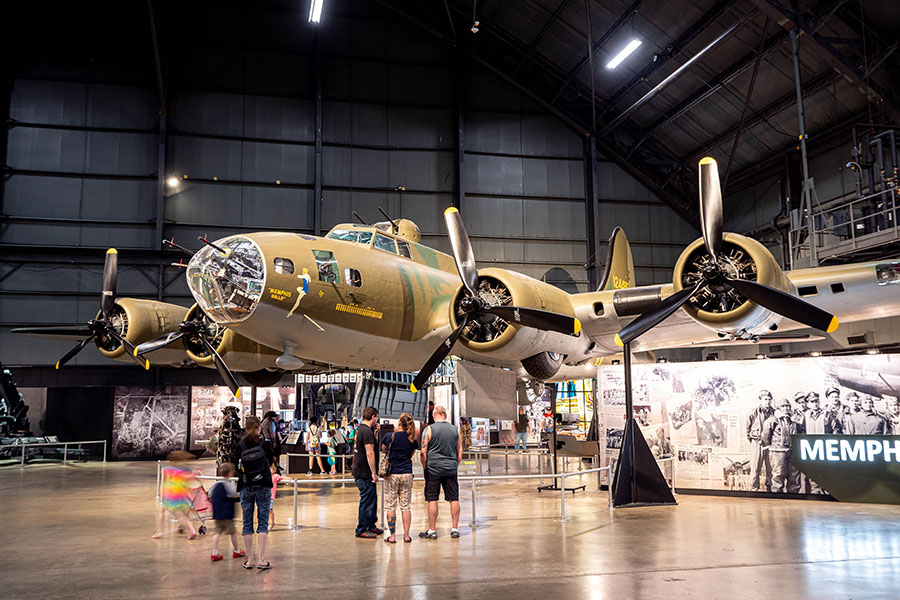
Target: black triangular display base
[639, 482]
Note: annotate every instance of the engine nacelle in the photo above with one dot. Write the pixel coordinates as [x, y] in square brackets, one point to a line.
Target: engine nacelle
[140, 321]
[720, 307]
[490, 335]
[239, 353]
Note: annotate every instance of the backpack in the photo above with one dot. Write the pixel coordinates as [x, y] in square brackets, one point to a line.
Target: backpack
[253, 464]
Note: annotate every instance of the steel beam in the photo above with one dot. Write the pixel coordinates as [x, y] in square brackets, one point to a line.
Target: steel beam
[316, 210]
[597, 45]
[699, 26]
[460, 149]
[590, 211]
[537, 39]
[679, 71]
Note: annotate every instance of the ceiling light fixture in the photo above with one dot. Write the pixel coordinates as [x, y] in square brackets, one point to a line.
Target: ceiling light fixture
[872, 351]
[315, 10]
[625, 53]
[815, 353]
[760, 356]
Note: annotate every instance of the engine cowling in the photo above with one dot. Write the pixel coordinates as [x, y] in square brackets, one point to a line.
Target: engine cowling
[720, 307]
[493, 336]
[239, 353]
[139, 321]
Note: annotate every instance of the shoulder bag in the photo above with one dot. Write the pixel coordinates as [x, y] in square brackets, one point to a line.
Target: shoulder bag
[384, 467]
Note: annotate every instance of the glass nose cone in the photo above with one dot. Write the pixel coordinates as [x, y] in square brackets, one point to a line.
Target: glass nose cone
[227, 278]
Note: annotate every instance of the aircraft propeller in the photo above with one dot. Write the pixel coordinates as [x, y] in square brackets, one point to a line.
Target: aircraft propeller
[473, 306]
[100, 328]
[714, 274]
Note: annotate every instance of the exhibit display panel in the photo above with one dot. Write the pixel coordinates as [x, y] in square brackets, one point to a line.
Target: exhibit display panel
[728, 424]
[149, 422]
[575, 405]
[206, 411]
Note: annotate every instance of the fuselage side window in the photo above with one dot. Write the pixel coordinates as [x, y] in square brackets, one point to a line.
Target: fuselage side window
[352, 277]
[357, 237]
[383, 242]
[329, 270]
[284, 266]
[404, 249]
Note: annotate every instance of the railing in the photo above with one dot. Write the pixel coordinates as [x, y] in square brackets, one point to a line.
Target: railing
[65, 446]
[844, 228]
[295, 526]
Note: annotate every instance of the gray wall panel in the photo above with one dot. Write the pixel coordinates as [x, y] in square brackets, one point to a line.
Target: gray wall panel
[205, 158]
[493, 132]
[554, 178]
[276, 207]
[543, 135]
[493, 175]
[279, 118]
[494, 216]
[46, 149]
[564, 220]
[33, 196]
[208, 112]
[215, 203]
[111, 199]
[271, 162]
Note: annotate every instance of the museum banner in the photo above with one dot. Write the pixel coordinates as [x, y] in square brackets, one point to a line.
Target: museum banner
[730, 425]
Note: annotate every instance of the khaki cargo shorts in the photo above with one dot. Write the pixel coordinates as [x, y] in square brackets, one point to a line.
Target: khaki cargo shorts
[225, 526]
[398, 488]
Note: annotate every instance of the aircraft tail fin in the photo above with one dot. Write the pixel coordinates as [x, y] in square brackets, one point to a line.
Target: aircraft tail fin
[619, 270]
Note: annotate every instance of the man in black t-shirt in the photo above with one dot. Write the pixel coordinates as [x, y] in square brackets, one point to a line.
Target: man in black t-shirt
[429, 420]
[365, 472]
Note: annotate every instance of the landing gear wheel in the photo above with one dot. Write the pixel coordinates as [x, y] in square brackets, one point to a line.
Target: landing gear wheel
[543, 365]
[263, 377]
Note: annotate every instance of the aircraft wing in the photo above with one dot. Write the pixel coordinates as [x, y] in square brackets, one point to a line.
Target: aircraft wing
[66, 333]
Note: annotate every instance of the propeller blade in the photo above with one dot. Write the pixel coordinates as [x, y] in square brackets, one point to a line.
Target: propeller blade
[435, 359]
[656, 315]
[55, 332]
[786, 305]
[110, 274]
[78, 348]
[539, 319]
[710, 206]
[224, 372]
[130, 349]
[462, 249]
[160, 342]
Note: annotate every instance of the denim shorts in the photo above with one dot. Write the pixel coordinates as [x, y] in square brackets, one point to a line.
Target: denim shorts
[262, 498]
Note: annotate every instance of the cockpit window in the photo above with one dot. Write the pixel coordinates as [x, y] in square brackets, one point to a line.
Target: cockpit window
[227, 279]
[383, 242]
[328, 268]
[284, 266]
[404, 249]
[357, 237]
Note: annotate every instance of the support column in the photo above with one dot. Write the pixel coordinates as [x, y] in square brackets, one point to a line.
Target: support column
[160, 200]
[591, 225]
[807, 182]
[460, 152]
[317, 183]
[6, 83]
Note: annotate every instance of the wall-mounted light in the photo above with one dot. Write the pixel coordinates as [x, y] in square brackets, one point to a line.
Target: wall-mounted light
[625, 53]
[315, 10]
[872, 351]
[760, 356]
[815, 353]
[173, 182]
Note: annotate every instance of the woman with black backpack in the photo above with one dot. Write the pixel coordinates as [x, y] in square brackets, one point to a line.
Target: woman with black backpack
[253, 457]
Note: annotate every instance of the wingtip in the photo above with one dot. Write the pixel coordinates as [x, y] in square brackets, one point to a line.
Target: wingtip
[577, 327]
[451, 210]
[619, 341]
[707, 160]
[833, 325]
[412, 388]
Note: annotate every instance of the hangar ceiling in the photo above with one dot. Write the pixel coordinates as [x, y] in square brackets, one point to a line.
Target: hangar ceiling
[848, 52]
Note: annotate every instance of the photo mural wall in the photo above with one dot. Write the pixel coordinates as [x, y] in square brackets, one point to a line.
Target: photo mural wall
[149, 422]
[727, 424]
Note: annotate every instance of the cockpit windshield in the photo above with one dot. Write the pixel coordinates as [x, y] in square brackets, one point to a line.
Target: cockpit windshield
[357, 237]
[227, 279]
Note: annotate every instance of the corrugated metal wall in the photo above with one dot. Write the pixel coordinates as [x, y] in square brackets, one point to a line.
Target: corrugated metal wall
[241, 138]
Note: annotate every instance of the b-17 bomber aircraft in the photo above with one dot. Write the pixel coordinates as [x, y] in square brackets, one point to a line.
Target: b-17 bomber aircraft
[373, 297]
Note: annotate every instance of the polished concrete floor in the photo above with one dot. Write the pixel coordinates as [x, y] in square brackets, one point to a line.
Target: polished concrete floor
[83, 531]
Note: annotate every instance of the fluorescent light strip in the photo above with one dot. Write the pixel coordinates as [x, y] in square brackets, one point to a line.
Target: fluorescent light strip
[626, 51]
[315, 10]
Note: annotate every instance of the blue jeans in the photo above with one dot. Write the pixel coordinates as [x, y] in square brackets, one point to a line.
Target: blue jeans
[368, 505]
[520, 439]
[262, 497]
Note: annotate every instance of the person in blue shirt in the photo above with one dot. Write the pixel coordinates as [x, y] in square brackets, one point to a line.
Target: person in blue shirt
[223, 497]
[400, 446]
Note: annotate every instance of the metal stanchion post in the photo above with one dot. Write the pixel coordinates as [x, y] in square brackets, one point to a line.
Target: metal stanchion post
[343, 470]
[506, 454]
[488, 452]
[104, 450]
[541, 466]
[474, 522]
[296, 525]
[23, 455]
[562, 491]
[158, 477]
[65, 453]
[383, 516]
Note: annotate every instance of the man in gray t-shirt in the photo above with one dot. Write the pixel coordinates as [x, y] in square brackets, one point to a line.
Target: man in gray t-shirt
[441, 454]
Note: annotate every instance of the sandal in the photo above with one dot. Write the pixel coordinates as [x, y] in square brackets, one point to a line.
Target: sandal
[247, 565]
[407, 539]
[428, 536]
[388, 541]
[268, 565]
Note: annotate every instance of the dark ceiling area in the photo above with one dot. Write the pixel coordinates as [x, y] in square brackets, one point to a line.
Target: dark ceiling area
[657, 119]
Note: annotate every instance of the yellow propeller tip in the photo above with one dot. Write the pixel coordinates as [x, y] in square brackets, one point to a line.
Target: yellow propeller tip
[832, 327]
[135, 352]
[146, 365]
[412, 387]
[577, 327]
[238, 395]
[57, 365]
[112, 251]
[707, 160]
[619, 341]
[450, 210]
